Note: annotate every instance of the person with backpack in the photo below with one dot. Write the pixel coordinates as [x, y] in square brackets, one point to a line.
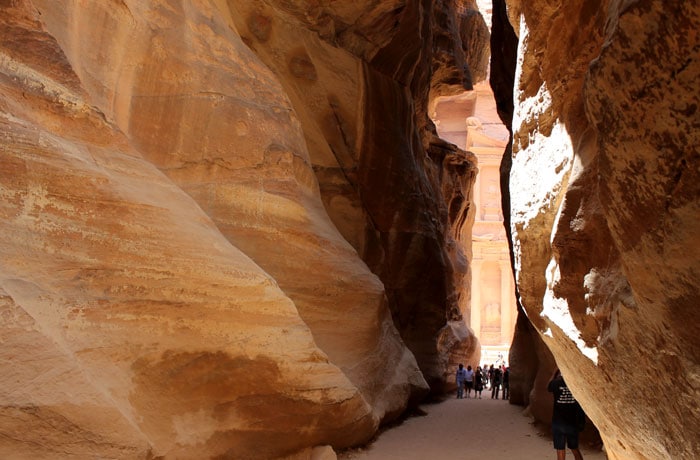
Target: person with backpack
[567, 417]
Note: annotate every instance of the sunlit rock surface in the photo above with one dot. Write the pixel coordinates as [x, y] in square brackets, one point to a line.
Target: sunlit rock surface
[228, 228]
[604, 204]
[360, 75]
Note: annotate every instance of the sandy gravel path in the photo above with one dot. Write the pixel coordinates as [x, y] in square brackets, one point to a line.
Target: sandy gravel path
[464, 429]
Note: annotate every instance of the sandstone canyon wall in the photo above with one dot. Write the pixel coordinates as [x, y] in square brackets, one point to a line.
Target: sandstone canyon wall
[228, 228]
[604, 181]
[360, 78]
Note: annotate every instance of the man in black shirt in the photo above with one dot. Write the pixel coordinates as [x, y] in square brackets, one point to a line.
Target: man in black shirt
[495, 382]
[565, 417]
[506, 382]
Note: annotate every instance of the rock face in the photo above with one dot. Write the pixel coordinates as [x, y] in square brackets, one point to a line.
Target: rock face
[228, 228]
[604, 206]
[360, 78]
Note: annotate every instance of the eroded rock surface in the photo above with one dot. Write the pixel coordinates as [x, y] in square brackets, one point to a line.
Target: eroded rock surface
[604, 204]
[360, 78]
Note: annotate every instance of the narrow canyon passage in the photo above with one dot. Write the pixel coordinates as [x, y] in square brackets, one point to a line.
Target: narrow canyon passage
[256, 230]
[457, 429]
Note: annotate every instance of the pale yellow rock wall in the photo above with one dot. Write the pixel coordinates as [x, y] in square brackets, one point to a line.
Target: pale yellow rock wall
[171, 282]
[155, 334]
[201, 107]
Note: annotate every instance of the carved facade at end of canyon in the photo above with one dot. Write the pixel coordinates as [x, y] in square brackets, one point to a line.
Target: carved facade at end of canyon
[230, 229]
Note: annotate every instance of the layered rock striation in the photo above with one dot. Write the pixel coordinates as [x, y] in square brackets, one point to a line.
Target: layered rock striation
[228, 228]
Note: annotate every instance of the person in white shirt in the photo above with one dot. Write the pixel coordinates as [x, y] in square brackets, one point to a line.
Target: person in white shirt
[461, 378]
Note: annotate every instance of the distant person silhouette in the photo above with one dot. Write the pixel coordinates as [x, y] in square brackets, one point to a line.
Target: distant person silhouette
[566, 416]
[469, 381]
[478, 382]
[495, 382]
[461, 378]
[506, 382]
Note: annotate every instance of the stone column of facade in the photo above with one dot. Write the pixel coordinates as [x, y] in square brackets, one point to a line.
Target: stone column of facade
[477, 194]
[506, 305]
[476, 298]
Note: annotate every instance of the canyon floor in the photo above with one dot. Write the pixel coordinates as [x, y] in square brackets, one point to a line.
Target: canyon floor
[458, 429]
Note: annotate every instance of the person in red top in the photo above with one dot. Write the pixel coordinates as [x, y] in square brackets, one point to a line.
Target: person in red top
[565, 417]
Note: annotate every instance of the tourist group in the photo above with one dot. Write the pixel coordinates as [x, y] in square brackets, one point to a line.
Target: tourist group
[494, 378]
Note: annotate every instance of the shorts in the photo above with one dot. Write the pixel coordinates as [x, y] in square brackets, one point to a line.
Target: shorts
[470, 385]
[564, 435]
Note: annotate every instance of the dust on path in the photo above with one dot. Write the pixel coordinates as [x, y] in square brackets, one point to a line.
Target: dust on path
[459, 429]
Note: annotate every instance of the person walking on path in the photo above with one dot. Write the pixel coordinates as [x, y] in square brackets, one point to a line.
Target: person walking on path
[478, 382]
[496, 383]
[461, 378]
[566, 417]
[469, 379]
[506, 382]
